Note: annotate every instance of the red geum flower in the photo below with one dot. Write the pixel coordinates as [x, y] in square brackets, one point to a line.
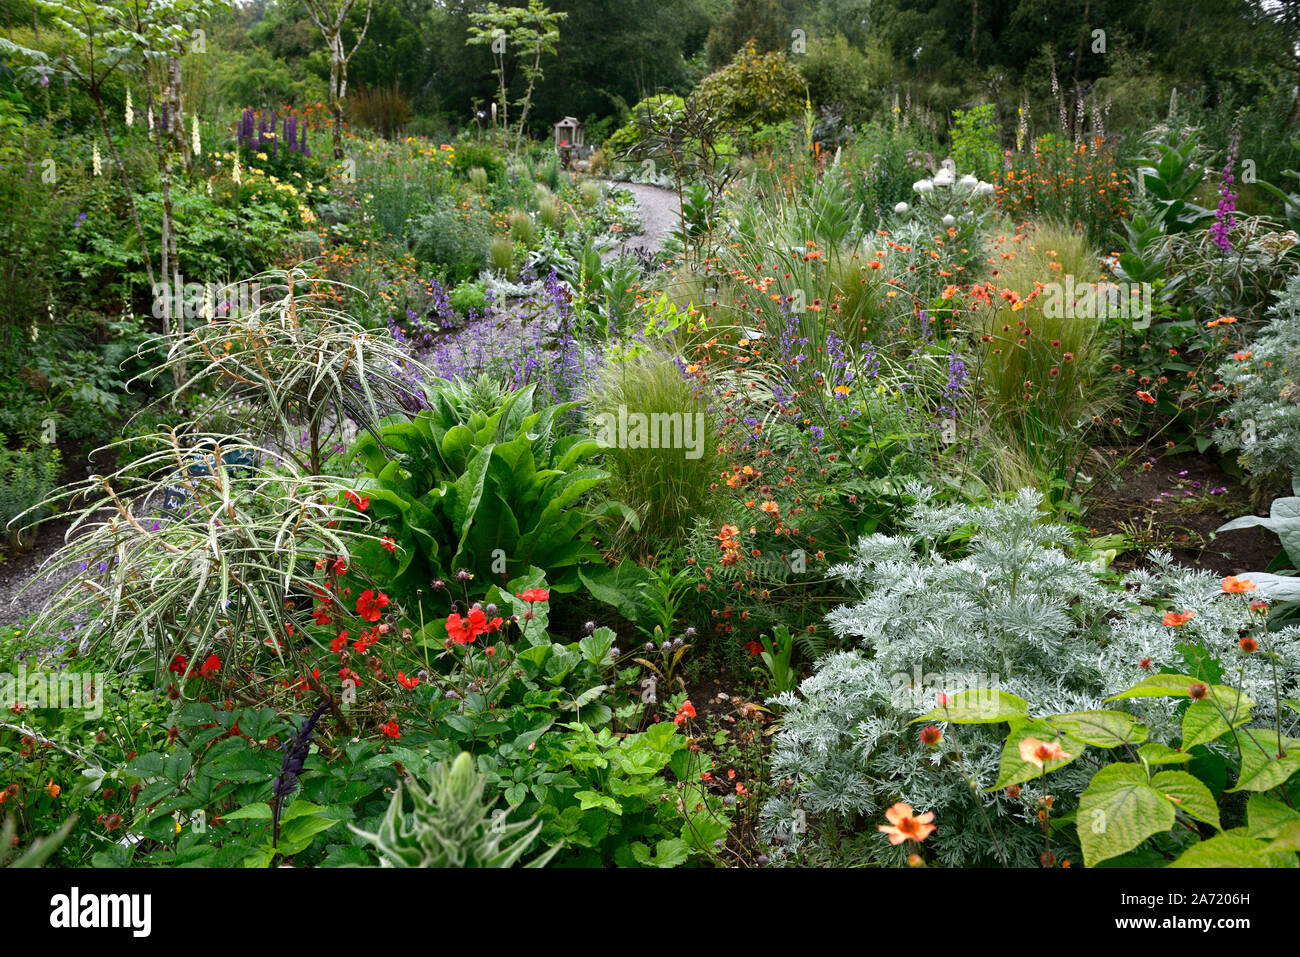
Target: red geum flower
[371, 607]
[458, 630]
[931, 735]
[535, 594]
[364, 641]
[389, 544]
[347, 674]
[685, 712]
[178, 665]
[405, 682]
[211, 665]
[754, 648]
[340, 567]
[339, 643]
[321, 615]
[391, 730]
[358, 501]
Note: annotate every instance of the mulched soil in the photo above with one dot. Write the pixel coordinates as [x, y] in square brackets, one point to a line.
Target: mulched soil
[1179, 523]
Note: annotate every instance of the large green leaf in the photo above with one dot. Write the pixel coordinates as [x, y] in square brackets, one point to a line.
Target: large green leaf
[468, 492]
[1016, 770]
[1188, 794]
[1104, 729]
[1267, 816]
[1118, 811]
[978, 706]
[1204, 721]
[1179, 686]
[1261, 769]
[1226, 850]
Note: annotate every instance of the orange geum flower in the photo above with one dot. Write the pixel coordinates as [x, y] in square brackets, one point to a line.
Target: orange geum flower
[1173, 619]
[905, 826]
[1038, 753]
[1236, 586]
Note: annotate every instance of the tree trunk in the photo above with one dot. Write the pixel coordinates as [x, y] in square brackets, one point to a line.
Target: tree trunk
[175, 107]
[336, 94]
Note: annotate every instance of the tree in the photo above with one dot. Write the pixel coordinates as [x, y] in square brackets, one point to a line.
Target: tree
[330, 16]
[533, 30]
[100, 44]
[762, 21]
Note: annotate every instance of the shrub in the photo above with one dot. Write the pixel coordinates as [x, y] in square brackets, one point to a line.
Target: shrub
[27, 476]
[841, 76]
[754, 89]
[478, 179]
[632, 132]
[384, 109]
[469, 154]
[975, 145]
[449, 239]
[469, 297]
[1262, 422]
[1010, 614]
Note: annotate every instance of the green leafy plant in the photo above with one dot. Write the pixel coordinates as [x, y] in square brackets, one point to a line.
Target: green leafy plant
[777, 654]
[491, 494]
[27, 477]
[451, 826]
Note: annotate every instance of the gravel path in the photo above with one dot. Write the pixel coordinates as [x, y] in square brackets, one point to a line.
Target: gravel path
[659, 216]
[17, 570]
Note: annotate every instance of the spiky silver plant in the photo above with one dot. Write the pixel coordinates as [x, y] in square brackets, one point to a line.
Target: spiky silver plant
[451, 826]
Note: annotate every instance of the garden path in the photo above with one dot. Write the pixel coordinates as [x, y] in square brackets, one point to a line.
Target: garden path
[659, 215]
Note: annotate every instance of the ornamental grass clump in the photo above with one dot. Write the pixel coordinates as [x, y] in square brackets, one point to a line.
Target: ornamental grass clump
[217, 572]
[205, 542]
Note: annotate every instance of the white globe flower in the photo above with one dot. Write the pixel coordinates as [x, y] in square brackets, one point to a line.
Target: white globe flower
[923, 186]
[950, 220]
[945, 177]
[968, 181]
[949, 163]
[901, 208]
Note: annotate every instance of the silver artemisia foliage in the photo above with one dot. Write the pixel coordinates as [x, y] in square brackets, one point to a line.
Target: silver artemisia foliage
[1012, 612]
[1263, 420]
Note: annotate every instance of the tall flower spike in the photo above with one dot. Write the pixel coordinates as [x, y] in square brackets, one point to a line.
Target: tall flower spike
[295, 755]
